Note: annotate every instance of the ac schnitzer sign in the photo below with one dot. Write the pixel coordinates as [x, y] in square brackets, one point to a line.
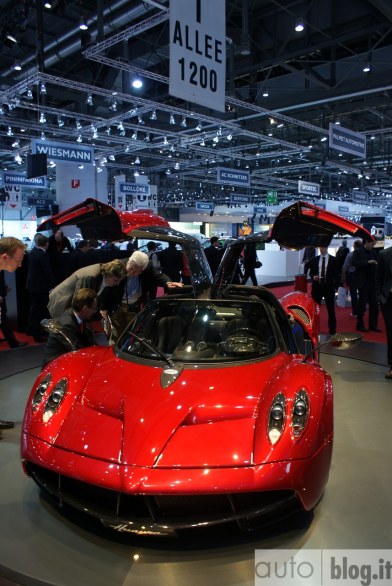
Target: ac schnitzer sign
[198, 52]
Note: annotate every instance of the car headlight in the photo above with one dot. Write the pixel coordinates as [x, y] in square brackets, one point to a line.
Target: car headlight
[300, 413]
[276, 418]
[55, 398]
[40, 392]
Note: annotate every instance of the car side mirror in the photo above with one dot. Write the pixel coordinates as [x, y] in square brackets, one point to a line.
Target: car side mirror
[53, 327]
[340, 341]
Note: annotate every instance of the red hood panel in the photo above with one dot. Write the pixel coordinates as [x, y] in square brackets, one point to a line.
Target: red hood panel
[125, 415]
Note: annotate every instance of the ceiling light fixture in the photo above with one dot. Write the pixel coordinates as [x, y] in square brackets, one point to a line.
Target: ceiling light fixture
[11, 37]
[17, 66]
[83, 24]
[199, 127]
[42, 88]
[42, 118]
[134, 135]
[137, 161]
[113, 106]
[18, 159]
[43, 137]
[60, 121]
[89, 99]
[367, 68]
[153, 115]
[29, 94]
[299, 25]
[172, 119]
[79, 139]
[16, 144]
[265, 94]
[140, 120]
[183, 122]
[9, 131]
[137, 83]
[78, 125]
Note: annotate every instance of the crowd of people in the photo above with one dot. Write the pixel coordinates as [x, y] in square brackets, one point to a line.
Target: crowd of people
[116, 290]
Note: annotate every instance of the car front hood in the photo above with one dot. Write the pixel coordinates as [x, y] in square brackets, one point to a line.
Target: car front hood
[205, 418]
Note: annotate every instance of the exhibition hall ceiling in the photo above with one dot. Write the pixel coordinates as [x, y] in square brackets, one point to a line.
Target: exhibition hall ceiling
[283, 90]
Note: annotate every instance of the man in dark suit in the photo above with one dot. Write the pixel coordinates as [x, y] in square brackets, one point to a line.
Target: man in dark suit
[364, 260]
[214, 254]
[323, 271]
[5, 325]
[133, 292]
[384, 295]
[12, 252]
[40, 280]
[73, 324]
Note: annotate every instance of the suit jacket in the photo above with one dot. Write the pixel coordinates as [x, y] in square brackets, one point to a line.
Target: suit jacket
[384, 275]
[57, 345]
[40, 277]
[331, 275]
[60, 298]
[364, 273]
[149, 277]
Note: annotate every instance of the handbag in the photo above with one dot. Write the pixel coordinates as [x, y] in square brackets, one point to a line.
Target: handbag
[258, 264]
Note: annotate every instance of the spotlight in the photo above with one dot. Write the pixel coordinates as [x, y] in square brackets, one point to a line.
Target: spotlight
[16, 144]
[17, 66]
[42, 118]
[29, 94]
[137, 161]
[183, 122]
[78, 125]
[199, 127]
[43, 137]
[107, 130]
[153, 115]
[113, 106]
[18, 159]
[89, 100]
[42, 87]
[172, 120]
[9, 131]
[79, 139]
[366, 68]
[60, 121]
[140, 120]
[134, 135]
[83, 24]
[299, 25]
[11, 37]
[137, 83]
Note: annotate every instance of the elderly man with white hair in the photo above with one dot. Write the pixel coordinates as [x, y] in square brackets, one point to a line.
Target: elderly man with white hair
[132, 292]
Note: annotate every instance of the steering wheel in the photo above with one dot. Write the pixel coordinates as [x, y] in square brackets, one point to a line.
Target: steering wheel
[244, 341]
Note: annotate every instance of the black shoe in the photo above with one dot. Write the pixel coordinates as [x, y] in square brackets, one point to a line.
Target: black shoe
[362, 329]
[375, 329]
[6, 424]
[19, 345]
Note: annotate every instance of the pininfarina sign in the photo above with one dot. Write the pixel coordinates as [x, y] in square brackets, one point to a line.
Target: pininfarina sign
[13, 178]
[62, 151]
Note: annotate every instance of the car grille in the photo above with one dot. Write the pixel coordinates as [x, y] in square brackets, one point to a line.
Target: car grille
[177, 511]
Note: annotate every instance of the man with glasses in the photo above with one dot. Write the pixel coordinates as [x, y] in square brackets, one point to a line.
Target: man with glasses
[74, 325]
[11, 257]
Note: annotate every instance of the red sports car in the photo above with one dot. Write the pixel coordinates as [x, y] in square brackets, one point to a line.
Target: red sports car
[211, 408]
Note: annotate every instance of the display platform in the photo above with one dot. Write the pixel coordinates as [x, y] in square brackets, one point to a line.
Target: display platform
[41, 544]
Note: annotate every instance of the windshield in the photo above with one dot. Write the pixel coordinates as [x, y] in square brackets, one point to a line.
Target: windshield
[204, 331]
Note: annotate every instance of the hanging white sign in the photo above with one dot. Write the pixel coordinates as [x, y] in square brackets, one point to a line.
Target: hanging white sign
[198, 52]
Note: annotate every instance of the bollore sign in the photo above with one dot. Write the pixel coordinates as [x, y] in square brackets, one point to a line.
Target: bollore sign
[198, 52]
[62, 151]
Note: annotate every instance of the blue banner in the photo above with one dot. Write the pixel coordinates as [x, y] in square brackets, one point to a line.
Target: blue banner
[204, 205]
[232, 176]
[62, 151]
[14, 178]
[343, 139]
[134, 188]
